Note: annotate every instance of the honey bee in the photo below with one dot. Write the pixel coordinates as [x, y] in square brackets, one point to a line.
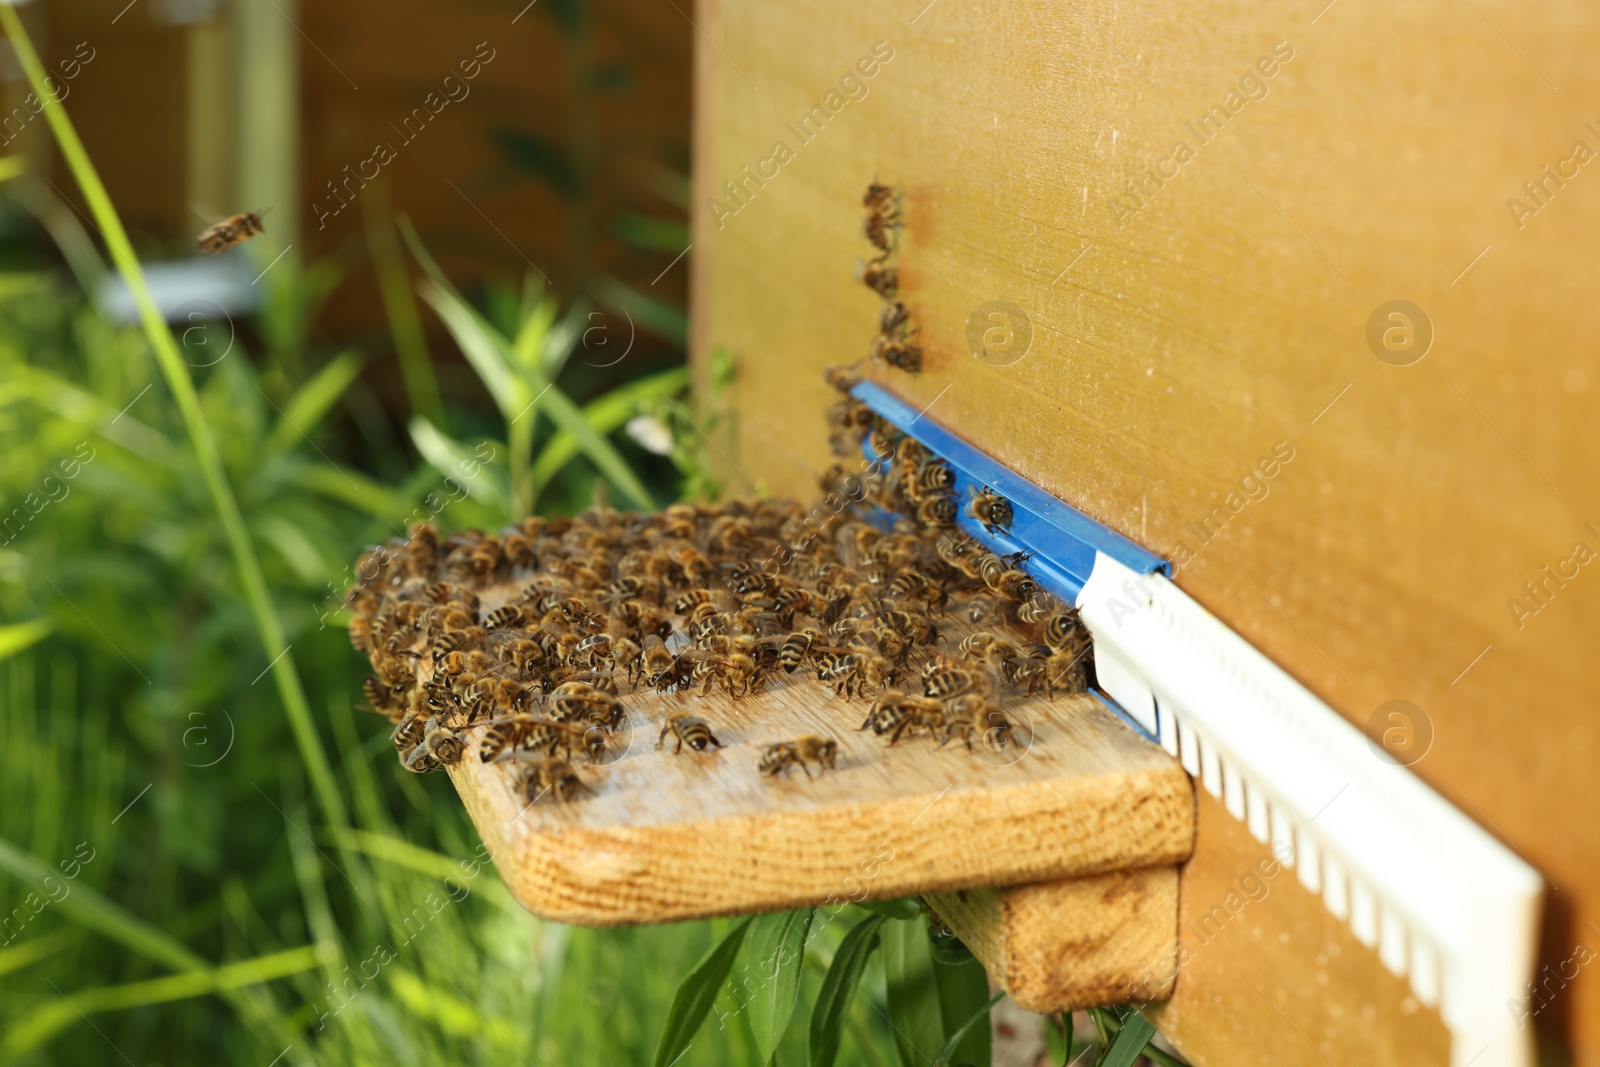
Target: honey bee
[1038, 608]
[822, 752]
[943, 677]
[972, 713]
[1064, 630]
[879, 276]
[554, 776]
[236, 229]
[914, 628]
[689, 731]
[384, 700]
[937, 512]
[841, 378]
[989, 508]
[893, 316]
[582, 701]
[735, 670]
[985, 646]
[796, 647]
[528, 733]
[895, 712]
[504, 618]
[655, 661]
[850, 672]
[896, 352]
[1014, 585]
[883, 215]
[407, 735]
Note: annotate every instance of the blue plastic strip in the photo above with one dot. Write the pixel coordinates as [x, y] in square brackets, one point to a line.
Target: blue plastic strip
[1063, 539]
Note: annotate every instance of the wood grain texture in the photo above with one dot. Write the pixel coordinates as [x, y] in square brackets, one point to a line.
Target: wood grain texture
[1261, 961]
[1175, 346]
[1075, 943]
[667, 837]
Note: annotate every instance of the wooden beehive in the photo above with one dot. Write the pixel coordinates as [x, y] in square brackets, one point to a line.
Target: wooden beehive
[1189, 319]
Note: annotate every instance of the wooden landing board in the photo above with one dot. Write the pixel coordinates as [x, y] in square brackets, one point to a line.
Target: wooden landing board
[1098, 939]
[666, 837]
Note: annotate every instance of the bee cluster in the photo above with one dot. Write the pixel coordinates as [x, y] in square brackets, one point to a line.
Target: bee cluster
[894, 344]
[535, 632]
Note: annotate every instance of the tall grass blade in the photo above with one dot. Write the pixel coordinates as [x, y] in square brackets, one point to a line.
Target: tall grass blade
[22, 635]
[313, 400]
[173, 368]
[400, 308]
[839, 988]
[696, 994]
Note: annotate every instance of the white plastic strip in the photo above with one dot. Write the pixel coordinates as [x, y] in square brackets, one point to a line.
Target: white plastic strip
[1443, 901]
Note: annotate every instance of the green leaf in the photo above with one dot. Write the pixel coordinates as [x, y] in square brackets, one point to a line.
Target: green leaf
[528, 348]
[1134, 1035]
[657, 316]
[567, 416]
[21, 635]
[913, 994]
[661, 235]
[484, 348]
[696, 994]
[963, 988]
[312, 400]
[839, 986]
[947, 1055]
[605, 414]
[539, 157]
[777, 946]
[454, 459]
[899, 908]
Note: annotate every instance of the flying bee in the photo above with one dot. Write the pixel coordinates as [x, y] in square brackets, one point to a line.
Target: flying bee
[989, 508]
[896, 352]
[822, 752]
[972, 713]
[879, 276]
[689, 731]
[895, 712]
[234, 230]
[554, 776]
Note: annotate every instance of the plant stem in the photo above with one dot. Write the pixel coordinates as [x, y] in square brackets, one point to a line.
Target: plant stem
[400, 307]
[519, 439]
[176, 373]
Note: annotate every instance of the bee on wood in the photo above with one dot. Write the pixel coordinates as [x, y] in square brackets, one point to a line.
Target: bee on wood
[234, 230]
[796, 648]
[914, 628]
[944, 677]
[407, 735]
[1038, 609]
[689, 731]
[892, 316]
[1064, 630]
[990, 508]
[1014, 585]
[972, 713]
[822, 752]
[895, 712]
[841, 378]
[528, 733]
[850, 672]
[735, 670]
[383, 700]
[896, 352]
[985, 646]
[879, 276]
[554, 776]
[882, 217]
[656, 662]
[583, 702]
[913, 585]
